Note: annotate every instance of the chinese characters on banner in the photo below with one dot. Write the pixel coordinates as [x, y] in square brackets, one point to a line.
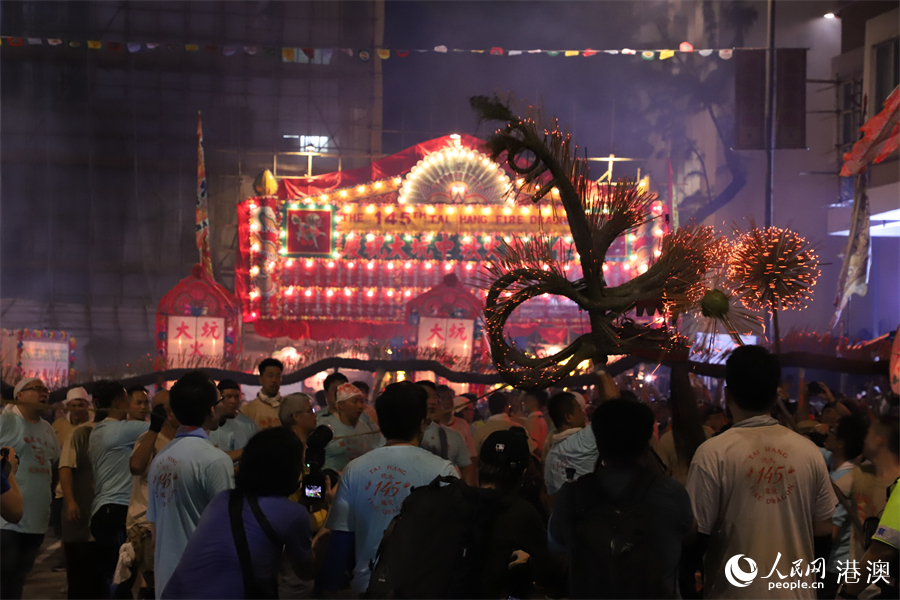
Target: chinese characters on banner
[47, 360]
[195, 336]
[455, 335]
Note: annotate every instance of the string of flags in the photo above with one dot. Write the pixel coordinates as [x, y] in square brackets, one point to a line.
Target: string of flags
[324, 56]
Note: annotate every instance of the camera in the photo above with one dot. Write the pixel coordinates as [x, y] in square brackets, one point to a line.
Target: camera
[313, 475]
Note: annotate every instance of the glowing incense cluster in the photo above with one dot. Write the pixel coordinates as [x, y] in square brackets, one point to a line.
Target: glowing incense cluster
[773, 269]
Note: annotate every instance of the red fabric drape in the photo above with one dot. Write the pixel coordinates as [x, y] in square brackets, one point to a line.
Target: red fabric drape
[329, 329]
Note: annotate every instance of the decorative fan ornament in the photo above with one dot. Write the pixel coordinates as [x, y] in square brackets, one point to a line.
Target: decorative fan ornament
[718, 312]
[455, 175]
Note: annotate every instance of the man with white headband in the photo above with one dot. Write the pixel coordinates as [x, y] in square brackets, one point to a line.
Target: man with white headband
[76, 404]
[35, 443]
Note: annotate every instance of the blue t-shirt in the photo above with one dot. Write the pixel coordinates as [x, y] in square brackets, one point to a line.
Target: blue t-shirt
[37, 448]
[233, 434]
[183, 479]
[210, 567]
[244, 428]
[4, 484]
[578, 451]
[370, 493]
[112, 443]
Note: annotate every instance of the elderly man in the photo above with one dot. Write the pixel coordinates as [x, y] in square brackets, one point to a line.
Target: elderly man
[75, 405]
[296, 413]
[347, 422]
[35, 443]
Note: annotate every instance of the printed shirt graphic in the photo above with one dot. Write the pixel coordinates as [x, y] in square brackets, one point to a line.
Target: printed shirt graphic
[111, 445]
[370, 494]
[456, 447]
[37, 448]
[340, 452]
[868, 495]
[756, 490]
[184, 477]
[889, 527]
[578, 451]
[264, 415]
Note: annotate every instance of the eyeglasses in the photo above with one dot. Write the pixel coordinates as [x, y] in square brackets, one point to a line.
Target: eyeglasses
[38, 388]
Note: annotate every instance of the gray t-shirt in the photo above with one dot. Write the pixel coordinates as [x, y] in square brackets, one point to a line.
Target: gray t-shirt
[76, 456]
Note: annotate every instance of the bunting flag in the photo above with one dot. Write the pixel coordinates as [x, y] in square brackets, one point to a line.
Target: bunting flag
[854, 278]
[202, 203]
[879, 138]
[323, 56]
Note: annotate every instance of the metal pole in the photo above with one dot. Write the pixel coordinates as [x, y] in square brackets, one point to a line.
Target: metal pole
[770, 114]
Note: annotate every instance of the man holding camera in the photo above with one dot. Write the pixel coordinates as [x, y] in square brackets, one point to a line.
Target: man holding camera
[37, 449]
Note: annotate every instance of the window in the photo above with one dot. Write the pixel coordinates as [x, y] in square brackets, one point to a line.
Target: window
[850, 99]
[318, 143]
[887, 72]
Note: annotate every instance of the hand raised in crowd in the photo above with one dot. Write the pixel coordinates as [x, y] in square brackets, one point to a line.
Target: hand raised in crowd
[518, 558]
[13, 460]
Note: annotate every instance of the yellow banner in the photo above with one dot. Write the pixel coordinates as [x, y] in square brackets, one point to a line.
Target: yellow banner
[439, 218]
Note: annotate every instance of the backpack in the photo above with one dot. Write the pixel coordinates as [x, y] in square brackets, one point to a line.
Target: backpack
[433, 548]
[612, 554]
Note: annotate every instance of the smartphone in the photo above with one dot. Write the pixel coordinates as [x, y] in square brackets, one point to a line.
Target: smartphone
[814, 388]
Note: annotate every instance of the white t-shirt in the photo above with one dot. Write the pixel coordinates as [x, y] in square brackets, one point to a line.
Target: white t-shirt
[756, 490]
[457, 453]
[339, 452]
[577, 450]
[370, 493]
[137, 504]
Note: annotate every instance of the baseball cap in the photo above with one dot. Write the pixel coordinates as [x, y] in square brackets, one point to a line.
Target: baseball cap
[460, 402]
[506, 449]
[347, 391]
[77, 393]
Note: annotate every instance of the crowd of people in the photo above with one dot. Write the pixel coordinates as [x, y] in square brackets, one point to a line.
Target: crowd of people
[426, 493]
